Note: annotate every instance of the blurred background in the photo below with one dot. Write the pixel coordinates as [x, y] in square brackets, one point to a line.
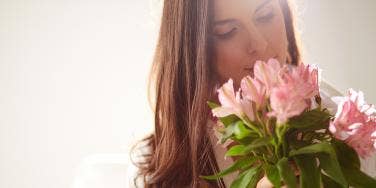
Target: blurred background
[73, 77]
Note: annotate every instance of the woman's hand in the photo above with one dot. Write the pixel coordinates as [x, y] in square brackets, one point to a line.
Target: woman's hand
[265, 183]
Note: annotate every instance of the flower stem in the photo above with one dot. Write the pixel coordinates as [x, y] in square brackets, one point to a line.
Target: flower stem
[250, 125]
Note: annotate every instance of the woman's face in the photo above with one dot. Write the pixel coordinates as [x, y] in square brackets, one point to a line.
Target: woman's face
[245, 31]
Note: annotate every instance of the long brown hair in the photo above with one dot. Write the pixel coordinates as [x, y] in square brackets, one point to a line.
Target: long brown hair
[182, 81]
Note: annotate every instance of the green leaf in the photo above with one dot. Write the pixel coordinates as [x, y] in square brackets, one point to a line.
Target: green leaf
[247, 140]
[248, 178]
[328, 160]
[259, 142]
[241, 150]
[331, 167]
[350, 164]
[323, 147]
[240, 130]
[358, 178]
[213, 105]
[329, 183]
[286, 173]
[237, 150]
[310, 120]
[309, 171]
[228, 120]
[239, 164]
[273, 175]
[346, 155]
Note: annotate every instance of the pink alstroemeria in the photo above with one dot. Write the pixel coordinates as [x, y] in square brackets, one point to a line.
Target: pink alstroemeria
[347, 119]
[291, 96]
[268, 73]
[248, 109]
[352, 111]
[253, 90]
[363, 139]
[286, 102]
[305, 79]
[355, 123]
[232, 103]
[358, 99]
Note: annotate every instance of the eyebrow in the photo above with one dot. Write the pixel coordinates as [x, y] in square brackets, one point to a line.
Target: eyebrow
[222, 22]
[262, 5]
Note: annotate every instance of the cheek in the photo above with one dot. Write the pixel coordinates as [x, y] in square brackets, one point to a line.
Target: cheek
[276, 36]
[230, 61]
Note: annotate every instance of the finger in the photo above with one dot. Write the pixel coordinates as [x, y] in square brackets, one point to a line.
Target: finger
[264, 183]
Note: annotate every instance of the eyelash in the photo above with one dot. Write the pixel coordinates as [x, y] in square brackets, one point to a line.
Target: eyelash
[266, 18]
[227, 35]
[263, 19]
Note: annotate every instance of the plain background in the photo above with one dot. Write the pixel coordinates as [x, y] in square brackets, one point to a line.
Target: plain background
[73, 76]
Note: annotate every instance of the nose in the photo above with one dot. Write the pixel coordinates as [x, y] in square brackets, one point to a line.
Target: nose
[257, 44]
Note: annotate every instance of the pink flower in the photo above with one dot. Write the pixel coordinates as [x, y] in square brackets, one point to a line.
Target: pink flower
[248, 108]
[286, 102]
[305, 80]
[253, 90]
[268, 73]
[355, 123]
[231, 103]
[292, 94]
[347, 118]
[358, 99]
[363, 139]
[352, 111]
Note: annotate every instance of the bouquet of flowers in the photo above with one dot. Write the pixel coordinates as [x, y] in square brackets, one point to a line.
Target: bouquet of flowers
[279, 129]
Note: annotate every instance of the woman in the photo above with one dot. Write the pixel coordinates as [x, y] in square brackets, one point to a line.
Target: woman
[203, 43]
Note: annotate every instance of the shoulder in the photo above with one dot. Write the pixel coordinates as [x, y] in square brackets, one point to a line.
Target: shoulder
[327, 91]
[368, 165]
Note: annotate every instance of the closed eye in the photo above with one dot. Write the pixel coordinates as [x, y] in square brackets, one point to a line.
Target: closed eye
[226, 35]
[266, 18]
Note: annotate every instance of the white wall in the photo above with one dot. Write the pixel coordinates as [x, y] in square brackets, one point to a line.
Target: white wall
[73, 77]
[72, 84]
[340, 36]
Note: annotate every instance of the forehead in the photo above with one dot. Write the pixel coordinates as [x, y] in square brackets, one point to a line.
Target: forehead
[225, 9]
